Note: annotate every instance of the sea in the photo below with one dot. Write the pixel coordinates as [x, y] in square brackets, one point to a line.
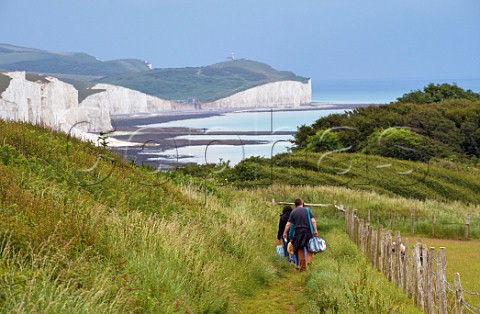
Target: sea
[378, 91]
[272, 132]
[327, 94]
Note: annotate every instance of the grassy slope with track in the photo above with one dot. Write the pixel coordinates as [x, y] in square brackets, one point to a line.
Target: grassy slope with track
[78, 238]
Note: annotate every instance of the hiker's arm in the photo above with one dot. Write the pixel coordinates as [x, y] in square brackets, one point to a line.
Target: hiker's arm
[287, 227]
[314, 224]
[280, 231]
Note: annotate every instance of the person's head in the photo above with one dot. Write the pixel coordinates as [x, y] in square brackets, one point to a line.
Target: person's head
[287, 209]
[298, 202]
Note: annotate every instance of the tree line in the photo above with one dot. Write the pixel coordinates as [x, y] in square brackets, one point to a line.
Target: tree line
[441, 121]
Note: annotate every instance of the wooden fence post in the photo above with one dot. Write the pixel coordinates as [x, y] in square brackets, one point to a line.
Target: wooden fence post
[458, 295]
[406, 271]
[360, 234]
[378, 249]
[419, 258]
[373, 246]
[414, 273]
[389, 258]
[361, 227]
[430, 305]
[352, 225]
[347, 216]
[366, 243]
[412, 226]
[369, 243]
[398, 260]
[355, 230]
[440, 283]
[384, 253]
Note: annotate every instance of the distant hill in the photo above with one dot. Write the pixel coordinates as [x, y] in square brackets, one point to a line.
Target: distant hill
[190, 84]
[73, 63]
[205, 84]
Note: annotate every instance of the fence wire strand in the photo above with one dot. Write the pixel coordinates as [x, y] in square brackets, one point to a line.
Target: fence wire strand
[471, 308]
[471, 292]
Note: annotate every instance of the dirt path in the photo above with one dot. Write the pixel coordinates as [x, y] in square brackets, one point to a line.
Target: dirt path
[285, 295]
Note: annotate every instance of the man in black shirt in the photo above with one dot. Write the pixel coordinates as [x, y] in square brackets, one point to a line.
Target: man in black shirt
[303, 233]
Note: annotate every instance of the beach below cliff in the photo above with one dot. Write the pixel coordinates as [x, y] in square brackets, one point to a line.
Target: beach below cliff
[132, 122]
[150, 137]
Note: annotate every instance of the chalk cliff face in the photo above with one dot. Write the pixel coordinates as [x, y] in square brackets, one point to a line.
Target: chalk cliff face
[121, 100]
[51, 102]
[21, 101]
[278, 94]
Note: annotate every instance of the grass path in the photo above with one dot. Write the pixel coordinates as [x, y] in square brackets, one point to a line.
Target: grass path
[284, 295]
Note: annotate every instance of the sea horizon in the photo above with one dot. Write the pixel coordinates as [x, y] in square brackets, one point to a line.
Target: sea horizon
[377, 91]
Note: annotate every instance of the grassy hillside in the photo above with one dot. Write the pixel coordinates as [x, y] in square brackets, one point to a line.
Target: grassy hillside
[392, 177]
[40, 61]
[437, 180]
[83, 232]
[199, 84]
[203, 83]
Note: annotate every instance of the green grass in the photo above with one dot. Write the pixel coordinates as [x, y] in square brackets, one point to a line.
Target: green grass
[431, 190]
[115, 238]
[4, 82]
[339, 281]
[283, 295]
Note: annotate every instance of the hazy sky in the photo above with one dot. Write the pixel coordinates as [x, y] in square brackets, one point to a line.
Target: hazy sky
[321, 39]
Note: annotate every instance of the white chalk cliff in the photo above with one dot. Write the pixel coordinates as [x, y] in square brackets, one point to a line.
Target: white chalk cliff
[277, 94]
[121, 100]
[51, 102]
[54, 103]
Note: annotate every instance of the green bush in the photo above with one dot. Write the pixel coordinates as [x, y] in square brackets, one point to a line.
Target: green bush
[446, 129]
[434, 93]
[399, 143]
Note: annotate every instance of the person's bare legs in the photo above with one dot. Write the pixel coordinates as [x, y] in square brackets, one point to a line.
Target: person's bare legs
[309, 258]
[301, 258]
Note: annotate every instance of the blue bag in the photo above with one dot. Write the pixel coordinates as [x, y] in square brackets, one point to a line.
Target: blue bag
[280, 252]
[315, 244]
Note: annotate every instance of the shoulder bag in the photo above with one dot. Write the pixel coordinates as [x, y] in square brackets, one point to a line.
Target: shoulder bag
[315, 244]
